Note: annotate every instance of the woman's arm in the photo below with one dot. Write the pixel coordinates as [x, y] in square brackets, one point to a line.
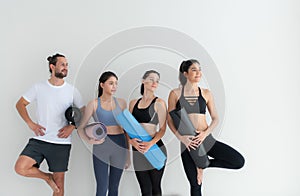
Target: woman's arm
[172, 99]
[161, 109]
[213, 112]
[88, 112]
[122, 103]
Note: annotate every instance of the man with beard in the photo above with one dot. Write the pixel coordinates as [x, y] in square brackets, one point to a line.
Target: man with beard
[52, 140]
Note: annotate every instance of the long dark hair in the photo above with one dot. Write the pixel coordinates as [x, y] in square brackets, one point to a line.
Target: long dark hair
[53, 60]
[146, 74]
[105, 76]
[185, 65]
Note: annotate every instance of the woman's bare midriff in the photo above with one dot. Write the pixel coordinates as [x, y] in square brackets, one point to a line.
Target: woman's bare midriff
[199, 121]
[150, 128]
[114, 130]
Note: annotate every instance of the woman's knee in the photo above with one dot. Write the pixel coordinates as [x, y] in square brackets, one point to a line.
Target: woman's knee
[240, 162]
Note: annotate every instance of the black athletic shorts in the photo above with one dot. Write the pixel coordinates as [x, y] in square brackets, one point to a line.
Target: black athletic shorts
[56, 155]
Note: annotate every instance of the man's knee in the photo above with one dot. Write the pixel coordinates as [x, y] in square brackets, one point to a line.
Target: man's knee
[23, 164]
[19, 169]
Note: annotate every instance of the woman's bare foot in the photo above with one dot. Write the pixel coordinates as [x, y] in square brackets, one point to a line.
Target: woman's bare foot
[199, 175]
[52, 183]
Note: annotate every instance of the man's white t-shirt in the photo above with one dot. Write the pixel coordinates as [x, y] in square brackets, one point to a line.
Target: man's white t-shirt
[52, 102]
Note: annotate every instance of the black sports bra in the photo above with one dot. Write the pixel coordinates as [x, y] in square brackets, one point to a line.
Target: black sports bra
[145, 115]
[199, 105]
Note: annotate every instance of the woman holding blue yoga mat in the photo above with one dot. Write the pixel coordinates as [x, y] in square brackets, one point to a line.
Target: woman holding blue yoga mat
[195, 100]
[151, 112]
[110, 153]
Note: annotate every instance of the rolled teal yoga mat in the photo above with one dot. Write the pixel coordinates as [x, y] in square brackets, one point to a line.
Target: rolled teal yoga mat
[133, 128]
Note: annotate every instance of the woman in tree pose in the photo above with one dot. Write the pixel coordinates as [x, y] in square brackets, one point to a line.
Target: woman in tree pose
[195, 100]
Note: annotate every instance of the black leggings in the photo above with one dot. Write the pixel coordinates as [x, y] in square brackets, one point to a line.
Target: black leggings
[223, 156]
[150, 181]
[148, 177]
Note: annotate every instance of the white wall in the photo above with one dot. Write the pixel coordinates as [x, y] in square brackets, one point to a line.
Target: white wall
[255, 45]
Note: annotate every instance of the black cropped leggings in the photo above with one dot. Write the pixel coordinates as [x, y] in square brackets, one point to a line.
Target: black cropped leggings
[148, 177]
[222, 156]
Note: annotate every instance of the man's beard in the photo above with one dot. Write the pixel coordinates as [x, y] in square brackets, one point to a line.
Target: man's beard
[60, 75]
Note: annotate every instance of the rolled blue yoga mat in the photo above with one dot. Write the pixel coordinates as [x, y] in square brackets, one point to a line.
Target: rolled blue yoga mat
[184, 125]
[96, 130]
[133, 128]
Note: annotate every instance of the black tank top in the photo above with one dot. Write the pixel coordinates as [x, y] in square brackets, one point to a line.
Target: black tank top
[145, 115]
[199, 105]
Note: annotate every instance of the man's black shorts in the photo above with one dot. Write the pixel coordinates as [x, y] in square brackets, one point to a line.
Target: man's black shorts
[56, 155]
